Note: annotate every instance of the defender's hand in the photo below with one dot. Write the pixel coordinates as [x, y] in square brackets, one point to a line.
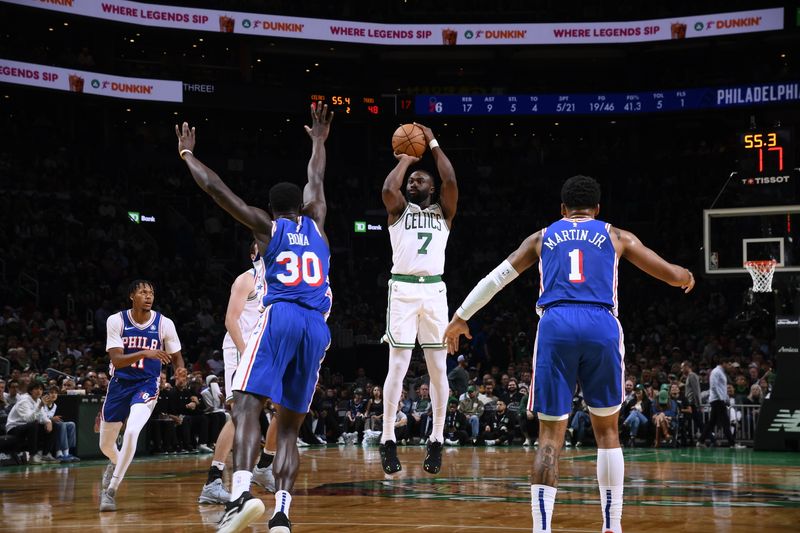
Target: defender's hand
[186, 137]
[457, 327]
[405, 158]
[320, 121]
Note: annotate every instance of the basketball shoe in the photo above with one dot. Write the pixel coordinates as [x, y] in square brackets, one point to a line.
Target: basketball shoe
[433, 458]
[280, 524]
[214, 492]
[264, 477]
[389, 460]
[240, 513]
[108, 501]
[108, 473]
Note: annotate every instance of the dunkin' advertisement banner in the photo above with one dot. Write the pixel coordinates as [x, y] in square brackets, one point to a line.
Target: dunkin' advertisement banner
[79, 81]
[686, 27]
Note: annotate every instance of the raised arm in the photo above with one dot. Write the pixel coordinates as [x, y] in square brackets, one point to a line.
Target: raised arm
[393, 199]
[519, 261]
[632, 249]
[314, 193]
[254, 218]
[448, 196]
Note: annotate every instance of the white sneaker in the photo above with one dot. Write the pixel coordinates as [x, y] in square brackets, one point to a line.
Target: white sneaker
[214, 492]
[301, 443]
[204, 449]
[321, 439]
[491, 442]
[35, 459]
[527, 442]
[49, 458]
[264, 477]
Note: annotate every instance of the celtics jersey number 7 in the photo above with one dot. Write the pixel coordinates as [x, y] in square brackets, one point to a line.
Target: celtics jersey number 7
[419, 238]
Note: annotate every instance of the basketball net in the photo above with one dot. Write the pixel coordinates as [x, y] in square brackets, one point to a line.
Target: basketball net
[761, 272]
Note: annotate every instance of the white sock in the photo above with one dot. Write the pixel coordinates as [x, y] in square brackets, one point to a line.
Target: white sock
[241, 483]
[543, 498]
[610, 476]
[138, 417]
[399, 359]
[436, 361]
[219, 464]
[282, 502]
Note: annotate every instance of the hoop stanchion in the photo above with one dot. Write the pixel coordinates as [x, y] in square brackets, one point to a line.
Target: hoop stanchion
[761, 272]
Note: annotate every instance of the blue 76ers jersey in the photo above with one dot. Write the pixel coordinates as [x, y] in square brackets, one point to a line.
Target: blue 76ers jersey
[578, 264]
[136, 338]
[296, 264]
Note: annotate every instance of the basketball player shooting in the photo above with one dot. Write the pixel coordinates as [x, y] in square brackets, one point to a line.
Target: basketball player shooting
[417, 307]
[578, 338]
[138, 342]
[285, 351]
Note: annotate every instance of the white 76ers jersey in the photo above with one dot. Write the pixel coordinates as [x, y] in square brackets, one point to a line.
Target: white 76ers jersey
[419, 238]
[251, 311]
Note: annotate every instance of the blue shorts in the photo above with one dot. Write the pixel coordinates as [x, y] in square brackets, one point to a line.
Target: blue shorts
[122, 393]
[577, 343]
[284, 355]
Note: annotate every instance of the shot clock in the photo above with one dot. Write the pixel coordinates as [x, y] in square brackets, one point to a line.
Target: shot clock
[767, 156]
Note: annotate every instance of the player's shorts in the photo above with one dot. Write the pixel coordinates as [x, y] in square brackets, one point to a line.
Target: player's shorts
[577, 343]
[416, 311]
[284, 355]
[231, 357]
[122, 393]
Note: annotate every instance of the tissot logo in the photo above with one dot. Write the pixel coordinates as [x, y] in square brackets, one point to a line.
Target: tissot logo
[787, 421]
[788, 349]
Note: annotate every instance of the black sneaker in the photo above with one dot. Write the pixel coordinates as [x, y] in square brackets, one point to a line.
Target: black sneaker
[433, 459]
[240, 513]
[389, 460]
[280, 523]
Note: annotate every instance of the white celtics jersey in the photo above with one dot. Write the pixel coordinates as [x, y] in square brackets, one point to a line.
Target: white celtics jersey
[419, 238]
[250, 313]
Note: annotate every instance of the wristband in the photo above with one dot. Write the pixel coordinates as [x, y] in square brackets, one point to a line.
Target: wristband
[433, 144]
[185, 151]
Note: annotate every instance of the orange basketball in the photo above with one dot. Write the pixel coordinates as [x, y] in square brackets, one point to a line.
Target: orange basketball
[409, 139]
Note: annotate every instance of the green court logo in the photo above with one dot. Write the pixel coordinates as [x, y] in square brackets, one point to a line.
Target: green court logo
[361, 226]
[133, 216]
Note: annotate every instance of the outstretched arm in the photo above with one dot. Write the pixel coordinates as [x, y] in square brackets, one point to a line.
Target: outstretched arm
[254, 218]
[448, 196]
[393, 199]
[647, 260]
[519, 261]
[314, 193]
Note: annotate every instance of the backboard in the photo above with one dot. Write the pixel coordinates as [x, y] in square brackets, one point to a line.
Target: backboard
[735, 235]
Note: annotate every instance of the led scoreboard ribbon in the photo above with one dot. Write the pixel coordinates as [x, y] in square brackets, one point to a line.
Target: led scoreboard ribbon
[347, 105]
[607, 103]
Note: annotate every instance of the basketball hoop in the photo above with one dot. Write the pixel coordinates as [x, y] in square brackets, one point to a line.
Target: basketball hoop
[761, 272]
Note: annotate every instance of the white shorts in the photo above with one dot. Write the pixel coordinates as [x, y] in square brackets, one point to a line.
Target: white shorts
[416, 312]
[231, 358]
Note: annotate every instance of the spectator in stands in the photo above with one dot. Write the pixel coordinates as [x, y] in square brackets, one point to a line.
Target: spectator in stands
[164, 420]
[665, 417]
[752, 373]
[684, 410]
[13, 393]
[472, 408]
[401, 426]
[374, 412]
[214, 401]
[628, 391]
[580, 422]
[638, 415]
[455, 425]
[513, 395]
[459, 376]
[741, 389]
[718, 398]
[64, 435]
[405, 403]
[67, 385]
[528, 421]
[193, 429]
[693, 395]
[356, 414]
[3, 396]
[488, 397]
[499, 426]
[419, 421]
[28, 422]
[755, 397]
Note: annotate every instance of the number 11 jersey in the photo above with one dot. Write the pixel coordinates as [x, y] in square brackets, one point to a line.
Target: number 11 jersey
[296, 265]
[578, 264]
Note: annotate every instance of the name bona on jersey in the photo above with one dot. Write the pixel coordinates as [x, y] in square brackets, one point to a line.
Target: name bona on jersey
[574, 235]
[140, 343]
[298, 239]
[423, 220]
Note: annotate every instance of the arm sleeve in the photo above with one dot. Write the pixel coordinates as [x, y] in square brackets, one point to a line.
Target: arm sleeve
[114, 332]
[486, 288]
[172, 343]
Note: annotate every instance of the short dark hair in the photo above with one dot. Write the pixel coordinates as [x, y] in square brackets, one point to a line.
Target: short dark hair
[135, 284]
[285, 197]
[35, 384]
[580, 191]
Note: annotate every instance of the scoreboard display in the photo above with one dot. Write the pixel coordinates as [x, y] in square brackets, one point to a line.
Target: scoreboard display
[767, 156]
[347, 104]
[612, 103]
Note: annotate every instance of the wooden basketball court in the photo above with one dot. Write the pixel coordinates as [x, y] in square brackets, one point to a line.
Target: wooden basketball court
[479, 489]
